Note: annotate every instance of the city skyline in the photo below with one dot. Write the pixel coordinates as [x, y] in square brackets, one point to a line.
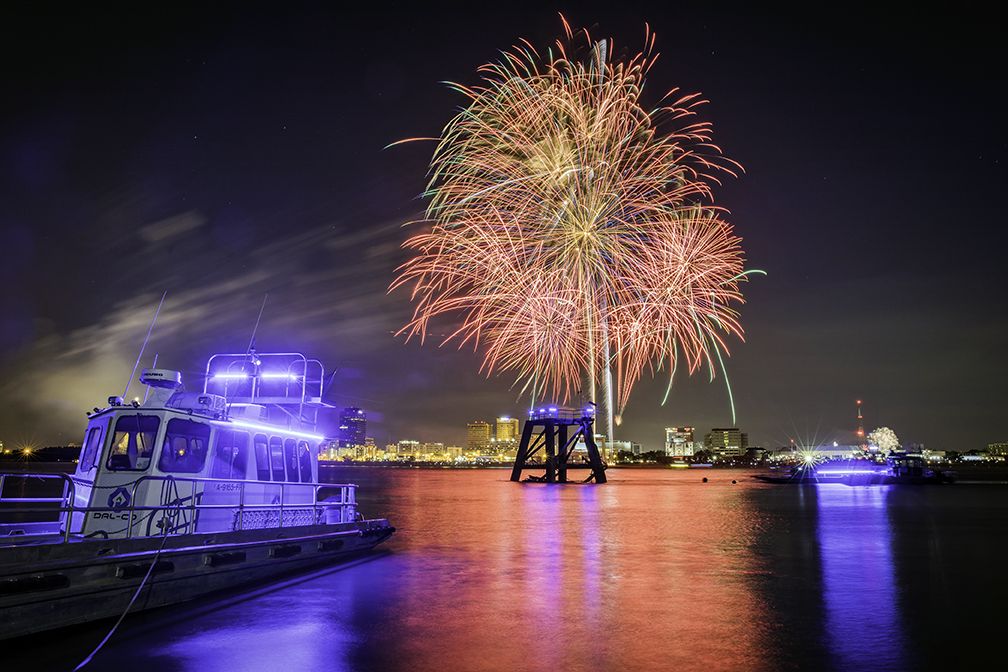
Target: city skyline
[266, 175]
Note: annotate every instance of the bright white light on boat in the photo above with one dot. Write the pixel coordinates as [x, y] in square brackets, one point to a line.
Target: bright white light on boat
[231, 376]
[275, 430]
[288, 376]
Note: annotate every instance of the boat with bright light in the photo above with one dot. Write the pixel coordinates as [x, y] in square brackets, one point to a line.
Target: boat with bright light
[900, 469]
[177, 496]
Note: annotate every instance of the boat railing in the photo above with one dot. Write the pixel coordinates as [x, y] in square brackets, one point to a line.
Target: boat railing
[17, 504]
[185, 504]
[282, 507]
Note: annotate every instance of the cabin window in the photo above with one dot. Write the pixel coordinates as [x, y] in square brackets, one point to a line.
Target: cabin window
[304, 456]
[277, 458]
[133, 442]
[91, 446]
[184, 449]
[230, 454]
[262, 457]
[290, 453]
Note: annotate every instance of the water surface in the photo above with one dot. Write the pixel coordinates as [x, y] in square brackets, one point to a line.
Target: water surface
[655, 570]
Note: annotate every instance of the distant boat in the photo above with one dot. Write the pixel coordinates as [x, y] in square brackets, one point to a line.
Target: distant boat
[179, 495]
[900, 469]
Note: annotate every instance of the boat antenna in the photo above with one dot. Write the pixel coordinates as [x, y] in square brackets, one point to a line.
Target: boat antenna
[146, 338]
[153, 366]
[328, 384]
[256, 327]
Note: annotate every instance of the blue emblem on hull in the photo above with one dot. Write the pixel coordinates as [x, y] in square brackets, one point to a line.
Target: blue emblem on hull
[119, 499]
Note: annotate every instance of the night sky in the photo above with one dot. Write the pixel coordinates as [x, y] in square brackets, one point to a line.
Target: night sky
[226, 153]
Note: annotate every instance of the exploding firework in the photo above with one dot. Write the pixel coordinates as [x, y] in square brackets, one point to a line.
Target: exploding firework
[571, 231]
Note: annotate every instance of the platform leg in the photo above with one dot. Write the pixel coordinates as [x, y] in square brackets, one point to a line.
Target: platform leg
[551, 456]
[594, 459]
[523, 450]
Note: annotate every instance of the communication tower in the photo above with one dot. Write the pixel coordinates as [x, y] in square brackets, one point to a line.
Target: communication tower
[860, 425]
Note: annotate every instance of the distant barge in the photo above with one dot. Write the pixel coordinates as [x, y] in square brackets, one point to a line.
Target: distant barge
[178, 496]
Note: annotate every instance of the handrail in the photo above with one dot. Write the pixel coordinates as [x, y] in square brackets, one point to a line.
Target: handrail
[69, 495]
[347, 497]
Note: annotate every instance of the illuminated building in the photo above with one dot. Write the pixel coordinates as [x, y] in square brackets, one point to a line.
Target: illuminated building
[506, 429]
[679, 441]
[1000, 448]
[431, 450]
[617, 447]
[580, 449]
[478, 437]
[506, 435]
[727, 442]
[352, 427]
[407, 448]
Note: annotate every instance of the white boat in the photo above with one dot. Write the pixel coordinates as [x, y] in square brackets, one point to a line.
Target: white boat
[178, 495]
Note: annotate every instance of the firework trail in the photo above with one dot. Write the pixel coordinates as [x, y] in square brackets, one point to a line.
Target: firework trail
[571, 232]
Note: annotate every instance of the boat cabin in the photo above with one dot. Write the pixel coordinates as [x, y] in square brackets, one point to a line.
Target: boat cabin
[907, 465]
[240, 454]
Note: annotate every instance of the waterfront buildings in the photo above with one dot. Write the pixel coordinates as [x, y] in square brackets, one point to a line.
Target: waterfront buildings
[507, 433]
[727, 442]
[1000, 448]
[478, 436]
[352, 427]
[607, 449]
[617, 447]
[679, 441]
[506, 429]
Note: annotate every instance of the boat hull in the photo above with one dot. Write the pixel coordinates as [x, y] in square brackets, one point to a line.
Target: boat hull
[857, 479]
[80, 581]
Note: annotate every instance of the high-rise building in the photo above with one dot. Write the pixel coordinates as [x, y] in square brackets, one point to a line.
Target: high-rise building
[506, 429]
[679, 441]
[352, 427]
[1000, 448]
[506, 436]
[727, 442]
[478, 436]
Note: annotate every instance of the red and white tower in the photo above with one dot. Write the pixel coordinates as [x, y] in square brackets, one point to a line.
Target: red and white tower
[860, 425]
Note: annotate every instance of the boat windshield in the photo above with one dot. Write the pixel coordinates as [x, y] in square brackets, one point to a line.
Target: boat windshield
[92, 446]
[133, 443]
[185, 447]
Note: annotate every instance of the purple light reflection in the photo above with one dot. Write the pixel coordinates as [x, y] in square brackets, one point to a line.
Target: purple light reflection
[859, 588]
